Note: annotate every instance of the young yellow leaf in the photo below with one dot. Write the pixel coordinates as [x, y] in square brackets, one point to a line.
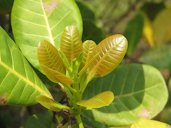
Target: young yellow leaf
[71, 44]
[98, 101]
[56, 76]
[88, 49]
[50, 103]
[108, 54]
[49, 56]
[144, 123]
[148, 31]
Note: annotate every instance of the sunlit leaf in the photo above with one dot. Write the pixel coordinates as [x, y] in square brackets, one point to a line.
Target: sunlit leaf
[140, 92]
[19, 84]
[49, 56]
[71, 44]
[98, 101]
[148, 31]
[162, 27]
[144, 123]
[50, 103]
[88, 49]
[37, 20]
[108, 54]
[56, 76]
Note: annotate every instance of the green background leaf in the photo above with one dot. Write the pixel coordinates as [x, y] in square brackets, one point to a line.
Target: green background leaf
[140, 91]
[40, 120]
[91, 31]
[134, 31]
[158, 57]
[5, 6]
[34, 21]
[19, 84]
[161, 25]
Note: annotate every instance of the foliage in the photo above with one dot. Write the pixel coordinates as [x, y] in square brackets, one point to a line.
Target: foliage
[73, 49]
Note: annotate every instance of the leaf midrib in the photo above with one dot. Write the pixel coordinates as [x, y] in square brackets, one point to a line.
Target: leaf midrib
[134, 93]
[30, 83]
[47, 23]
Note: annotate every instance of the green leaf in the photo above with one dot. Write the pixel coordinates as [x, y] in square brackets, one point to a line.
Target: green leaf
[86, 12]
[144, 123]
[100, 100]
[37, 20]
[134, 31]
[140, 92]
[56, 76]
[19, 84]
[6, 6]
[88, 49]
[158, 57]
[161, 25]
[50, 103]
[92, 123]
[92, 32]
[40, 120]
[107, 55]
[90, 29]
[48, 55]
[71, 44]
[165, 115]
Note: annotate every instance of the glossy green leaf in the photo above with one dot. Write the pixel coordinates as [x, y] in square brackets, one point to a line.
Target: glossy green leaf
[37, 20]
[140, 92]
[88, 49]
[49, 56]
[50, 103]
[56, 76]
[71, 44]
[144, 123]
[107, 55]
[18, 82]
[133, 32]
[100, 100]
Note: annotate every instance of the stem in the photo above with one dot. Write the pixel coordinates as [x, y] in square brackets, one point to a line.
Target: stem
[79, 121]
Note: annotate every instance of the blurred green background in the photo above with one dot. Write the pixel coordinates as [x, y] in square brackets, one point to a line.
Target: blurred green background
[145, 23]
